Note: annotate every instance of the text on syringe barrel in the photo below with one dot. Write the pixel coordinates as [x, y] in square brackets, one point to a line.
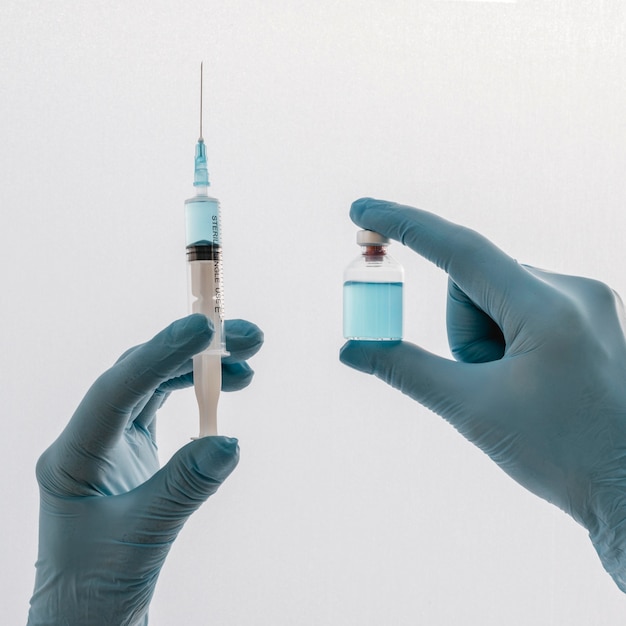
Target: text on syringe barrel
[206, 280]
[206, 289]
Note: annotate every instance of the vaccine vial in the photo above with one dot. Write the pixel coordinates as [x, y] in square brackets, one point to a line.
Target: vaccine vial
[372, 292]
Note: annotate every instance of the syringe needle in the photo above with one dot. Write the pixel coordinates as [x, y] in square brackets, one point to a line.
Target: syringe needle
[201, 68]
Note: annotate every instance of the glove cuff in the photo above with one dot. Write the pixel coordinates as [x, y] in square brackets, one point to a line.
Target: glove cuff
[608, 532]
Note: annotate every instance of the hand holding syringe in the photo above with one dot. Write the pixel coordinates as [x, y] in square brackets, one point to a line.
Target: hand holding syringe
[125, 512]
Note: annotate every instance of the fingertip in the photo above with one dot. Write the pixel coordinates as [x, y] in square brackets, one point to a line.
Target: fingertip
[357, 209]
[242, 328]
[236, 376]
[195, 324]
[227, 453]
[257, 336]
[243, 340]
[192, 475]
[361, 211]
[230, 445]
[193, 332]
[218, 457]
[355, 354]
[248, 330]
[193, 328]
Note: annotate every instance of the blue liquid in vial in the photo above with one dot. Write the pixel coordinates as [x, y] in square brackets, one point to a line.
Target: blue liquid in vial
[372, 311]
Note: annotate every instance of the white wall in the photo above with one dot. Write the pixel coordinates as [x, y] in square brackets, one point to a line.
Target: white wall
[351, 504]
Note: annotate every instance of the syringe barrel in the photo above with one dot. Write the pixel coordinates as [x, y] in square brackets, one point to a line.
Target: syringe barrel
[204, 254]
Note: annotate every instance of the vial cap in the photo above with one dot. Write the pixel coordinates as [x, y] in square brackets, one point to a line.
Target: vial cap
[370, 237]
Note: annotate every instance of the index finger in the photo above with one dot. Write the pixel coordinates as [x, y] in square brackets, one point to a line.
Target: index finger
[104, 412]
[490, 277]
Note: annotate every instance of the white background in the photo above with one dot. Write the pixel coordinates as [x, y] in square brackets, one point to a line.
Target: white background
[351, 504]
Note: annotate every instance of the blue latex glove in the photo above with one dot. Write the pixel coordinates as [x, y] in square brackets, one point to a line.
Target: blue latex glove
[539, 381]
[108, 515]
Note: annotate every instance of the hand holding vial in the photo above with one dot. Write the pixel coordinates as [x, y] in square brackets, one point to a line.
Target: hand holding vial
[538, 381]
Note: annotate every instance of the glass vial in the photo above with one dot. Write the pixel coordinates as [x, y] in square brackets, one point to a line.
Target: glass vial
[372, 292]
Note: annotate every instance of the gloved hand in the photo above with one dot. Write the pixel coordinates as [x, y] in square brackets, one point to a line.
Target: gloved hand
[540, 378]
[108, 515]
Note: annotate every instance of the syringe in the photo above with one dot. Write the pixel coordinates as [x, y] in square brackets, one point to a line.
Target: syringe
[204, 254]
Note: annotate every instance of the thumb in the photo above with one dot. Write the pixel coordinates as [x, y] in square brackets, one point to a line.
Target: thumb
[441, 385]
[178, 489]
